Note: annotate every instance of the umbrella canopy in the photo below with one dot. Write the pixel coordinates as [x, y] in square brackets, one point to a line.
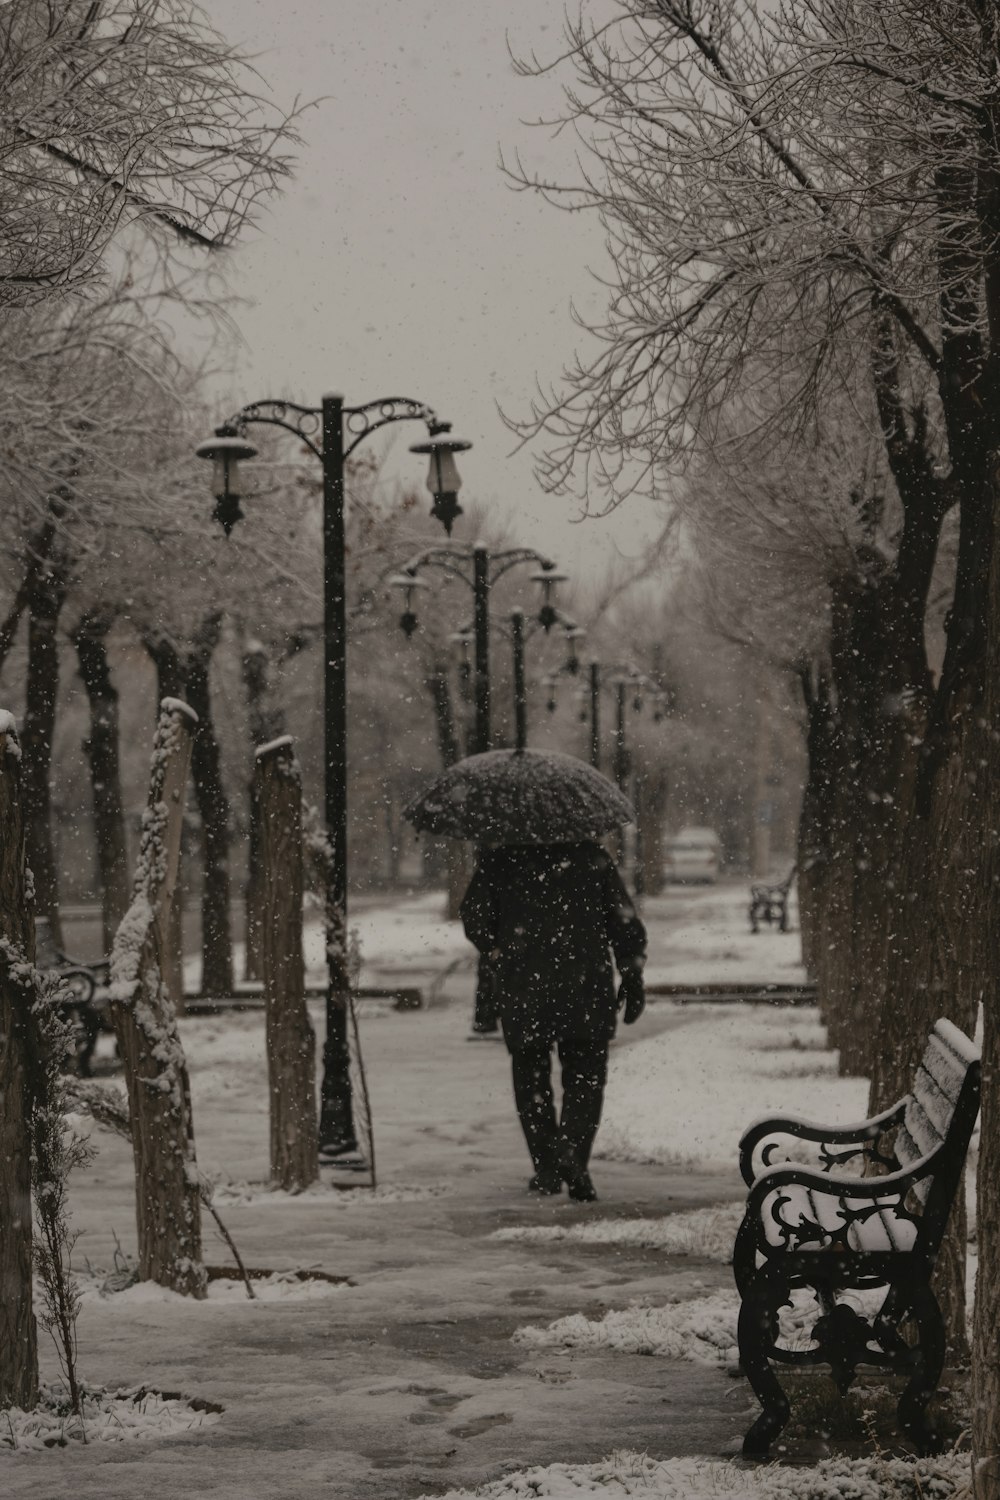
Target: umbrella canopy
[520, 797]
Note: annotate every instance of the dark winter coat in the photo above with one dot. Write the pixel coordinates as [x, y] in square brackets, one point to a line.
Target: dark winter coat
[548, 917]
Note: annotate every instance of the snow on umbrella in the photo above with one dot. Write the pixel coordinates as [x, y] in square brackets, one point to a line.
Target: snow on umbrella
[520, 797]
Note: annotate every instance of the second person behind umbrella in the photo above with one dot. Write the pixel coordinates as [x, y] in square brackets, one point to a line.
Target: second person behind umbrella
[549, 917]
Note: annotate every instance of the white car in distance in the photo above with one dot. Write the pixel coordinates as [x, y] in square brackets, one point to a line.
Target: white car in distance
[691, 857]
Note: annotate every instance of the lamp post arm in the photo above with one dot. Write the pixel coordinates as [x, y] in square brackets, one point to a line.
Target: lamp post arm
[502, 562]
[361, 421]
[306, 422]
[303, 422]
[445, 558]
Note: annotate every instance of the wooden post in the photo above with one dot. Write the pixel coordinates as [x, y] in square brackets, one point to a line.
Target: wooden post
[291, 1042]
[18, 1339]
[167, 1202]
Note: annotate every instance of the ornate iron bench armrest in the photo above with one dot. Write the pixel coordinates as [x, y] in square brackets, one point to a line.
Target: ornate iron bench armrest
[793, 1209]
[757, 1147]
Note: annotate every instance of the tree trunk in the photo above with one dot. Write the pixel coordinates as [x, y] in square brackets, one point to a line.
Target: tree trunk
[103, 754]
[266, 723]
[167, 1198]
[654, 804]
[291, 1043]
[813, 848]
[986, 1322]
[939, 952]
[834, 967]
[41, 688]
[438, 685]
[170, 683]
[18, 1337]
[39, 550]
[213, 806]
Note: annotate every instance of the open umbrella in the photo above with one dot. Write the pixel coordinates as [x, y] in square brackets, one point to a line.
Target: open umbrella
[520, 797]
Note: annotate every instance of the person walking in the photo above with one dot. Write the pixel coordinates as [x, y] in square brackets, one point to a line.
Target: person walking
[548, 917]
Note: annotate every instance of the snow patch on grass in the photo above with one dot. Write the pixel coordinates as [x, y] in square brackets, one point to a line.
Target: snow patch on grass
[707, 1232]
[702, 1329]
[277, 1286]
[120, 1416]
[626, 1474]
[686, 1096]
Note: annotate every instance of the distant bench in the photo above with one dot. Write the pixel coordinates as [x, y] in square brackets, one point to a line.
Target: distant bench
[769, 903]
[80, 981]
[812, 1227]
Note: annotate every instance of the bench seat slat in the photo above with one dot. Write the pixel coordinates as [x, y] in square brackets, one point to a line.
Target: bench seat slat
[936, 1104]
[947, 1070]
[921, 1127]
[908, 1153]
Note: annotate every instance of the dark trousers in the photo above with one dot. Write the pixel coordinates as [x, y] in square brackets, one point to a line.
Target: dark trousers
[584, 1073]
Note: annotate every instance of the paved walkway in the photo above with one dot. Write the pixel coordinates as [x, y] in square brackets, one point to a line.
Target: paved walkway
[406, 1383]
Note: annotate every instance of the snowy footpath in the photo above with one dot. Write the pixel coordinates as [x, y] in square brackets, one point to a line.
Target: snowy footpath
[464, 1338]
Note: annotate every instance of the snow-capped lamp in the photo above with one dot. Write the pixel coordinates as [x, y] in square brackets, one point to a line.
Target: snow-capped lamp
[443, 479]
[547, 578]
[574, 634]
[225, 451]
[407, 582]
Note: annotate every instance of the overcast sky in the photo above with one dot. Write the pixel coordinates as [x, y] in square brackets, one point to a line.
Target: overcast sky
[399, 262]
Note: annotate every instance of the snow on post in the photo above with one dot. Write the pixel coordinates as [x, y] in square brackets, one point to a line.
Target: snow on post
[18, 1340]
[167, 1198]
[291, 1042]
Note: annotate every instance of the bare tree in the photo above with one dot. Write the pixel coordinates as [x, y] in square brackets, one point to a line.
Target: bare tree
[166, 1175]
[787, 196]
[18, 1089]
[125, 112]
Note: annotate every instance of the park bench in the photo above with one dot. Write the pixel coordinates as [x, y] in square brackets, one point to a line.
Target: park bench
[80, 983]
[769, 903]
[819, 1229]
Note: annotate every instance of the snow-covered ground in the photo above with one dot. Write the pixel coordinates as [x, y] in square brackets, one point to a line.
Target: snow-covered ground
[484, 1337]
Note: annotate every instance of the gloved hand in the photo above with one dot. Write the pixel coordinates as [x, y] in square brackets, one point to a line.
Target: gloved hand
[631, 996]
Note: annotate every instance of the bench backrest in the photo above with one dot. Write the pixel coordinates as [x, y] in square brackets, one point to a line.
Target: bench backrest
[939, 1118]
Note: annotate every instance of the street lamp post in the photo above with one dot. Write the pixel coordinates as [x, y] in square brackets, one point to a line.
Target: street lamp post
[572, 634]
[623, 679]
[486, 569]
[332, 432]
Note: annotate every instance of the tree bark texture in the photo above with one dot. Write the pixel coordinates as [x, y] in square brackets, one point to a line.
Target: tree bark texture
[168, 1207]
[213, 807]
[940, 945]
[986, 1318]
[170, 683]
[291, 1042]
[102, 748]
[41, 688]
[39, 551]
[813, 846]
[18, 1338]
